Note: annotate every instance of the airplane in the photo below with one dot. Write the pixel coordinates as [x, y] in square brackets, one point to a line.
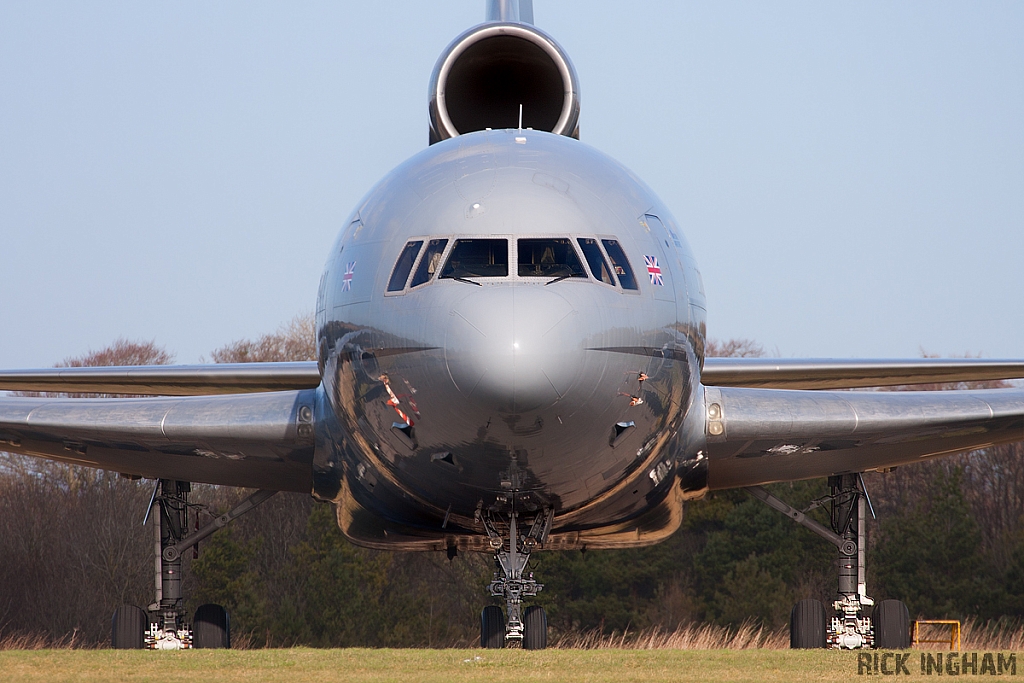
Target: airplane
[511, 336]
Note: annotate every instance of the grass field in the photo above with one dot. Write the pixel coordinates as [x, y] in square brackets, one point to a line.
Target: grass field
[300, 665]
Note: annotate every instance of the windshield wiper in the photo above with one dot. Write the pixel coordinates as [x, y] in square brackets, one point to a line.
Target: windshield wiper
[557, 279]
[467, 281]
[568, 273]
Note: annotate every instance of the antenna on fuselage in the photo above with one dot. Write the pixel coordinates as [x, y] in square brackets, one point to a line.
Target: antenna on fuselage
[520, 116]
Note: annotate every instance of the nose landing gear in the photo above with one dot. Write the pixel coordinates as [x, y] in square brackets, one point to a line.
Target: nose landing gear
[513, 582]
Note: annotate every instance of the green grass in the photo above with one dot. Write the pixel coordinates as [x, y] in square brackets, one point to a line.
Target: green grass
[442, 666]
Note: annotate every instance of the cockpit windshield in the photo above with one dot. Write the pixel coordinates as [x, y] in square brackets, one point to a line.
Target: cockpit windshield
[595, 259]
[477, 258]
[430, 262]
[621, 265]
[469, 258]
[549, 257]
[404, 265]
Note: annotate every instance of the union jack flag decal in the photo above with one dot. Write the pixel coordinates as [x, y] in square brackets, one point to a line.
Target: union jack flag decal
[346, 281]
[654, 270]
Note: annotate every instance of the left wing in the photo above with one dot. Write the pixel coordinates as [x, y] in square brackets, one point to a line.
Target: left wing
[259, 440]
[828, 373]
[758, 436]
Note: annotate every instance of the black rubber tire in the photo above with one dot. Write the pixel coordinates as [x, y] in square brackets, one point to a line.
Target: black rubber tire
[807, 625]
[890, 621]
[492, 628]
[128, 628]
[211, 628]
[535, 628]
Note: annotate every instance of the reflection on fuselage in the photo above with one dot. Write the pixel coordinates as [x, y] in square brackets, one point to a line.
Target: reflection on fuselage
[513, 374]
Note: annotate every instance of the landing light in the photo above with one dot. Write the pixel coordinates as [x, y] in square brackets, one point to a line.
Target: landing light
[715, 427]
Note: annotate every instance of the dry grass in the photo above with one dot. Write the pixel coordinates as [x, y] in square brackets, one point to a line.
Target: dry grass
[686, 637]
[997, 635]
[71, 641]
[41, 641]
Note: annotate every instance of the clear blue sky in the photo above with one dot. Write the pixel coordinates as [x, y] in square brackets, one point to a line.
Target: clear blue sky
[850, 175]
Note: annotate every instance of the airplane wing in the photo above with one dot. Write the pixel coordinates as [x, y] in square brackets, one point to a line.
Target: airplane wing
[758, 436]
[253, 440]
[166, 380]
[258, 440]
[768, 373]
[809, 373]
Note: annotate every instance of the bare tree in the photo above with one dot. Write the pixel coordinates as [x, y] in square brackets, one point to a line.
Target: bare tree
[121, 352]
[294, 340]
[734, 348]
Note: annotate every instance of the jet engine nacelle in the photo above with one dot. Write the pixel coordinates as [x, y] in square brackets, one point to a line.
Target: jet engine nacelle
[485, 74]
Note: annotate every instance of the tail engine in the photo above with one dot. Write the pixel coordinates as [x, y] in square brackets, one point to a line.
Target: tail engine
[484, 75]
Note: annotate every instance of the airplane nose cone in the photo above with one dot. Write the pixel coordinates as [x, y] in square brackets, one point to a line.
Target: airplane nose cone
[516, 348]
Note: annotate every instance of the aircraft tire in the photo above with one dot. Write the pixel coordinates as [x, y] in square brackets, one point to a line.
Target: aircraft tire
[128, 628]
[535, 628]
[890, 620]
[492, 628]
[211, 628]
[807, 625]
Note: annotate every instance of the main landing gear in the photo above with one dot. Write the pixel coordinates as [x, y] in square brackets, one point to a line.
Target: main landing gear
[852, 627]
[165, 626]
[513, 582]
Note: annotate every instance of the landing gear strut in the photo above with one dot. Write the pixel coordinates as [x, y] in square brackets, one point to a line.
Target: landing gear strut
[168, 631]
[852, 627]
[166, 626]
[513, 582]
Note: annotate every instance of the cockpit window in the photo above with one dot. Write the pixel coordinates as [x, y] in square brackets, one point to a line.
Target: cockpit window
[550, 257]
[404, 265]
[477, 258]
[620, 264]
[430, 262]
[595, 259]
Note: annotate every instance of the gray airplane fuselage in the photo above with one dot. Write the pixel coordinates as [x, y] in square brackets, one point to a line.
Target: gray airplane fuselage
[463, 395]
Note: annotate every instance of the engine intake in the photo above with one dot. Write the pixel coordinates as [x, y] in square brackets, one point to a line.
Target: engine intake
[485, 74]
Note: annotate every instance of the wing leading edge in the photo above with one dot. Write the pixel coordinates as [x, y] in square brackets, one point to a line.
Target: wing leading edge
[260, 440]
[759, 436]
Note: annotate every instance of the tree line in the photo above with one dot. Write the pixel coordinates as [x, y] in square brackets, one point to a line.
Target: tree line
[948, 540]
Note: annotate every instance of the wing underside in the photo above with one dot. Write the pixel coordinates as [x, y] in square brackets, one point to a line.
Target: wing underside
[260, 440]
[758, 436]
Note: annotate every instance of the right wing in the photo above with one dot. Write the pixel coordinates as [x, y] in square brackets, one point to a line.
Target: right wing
[259, 440]
[166, 380]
